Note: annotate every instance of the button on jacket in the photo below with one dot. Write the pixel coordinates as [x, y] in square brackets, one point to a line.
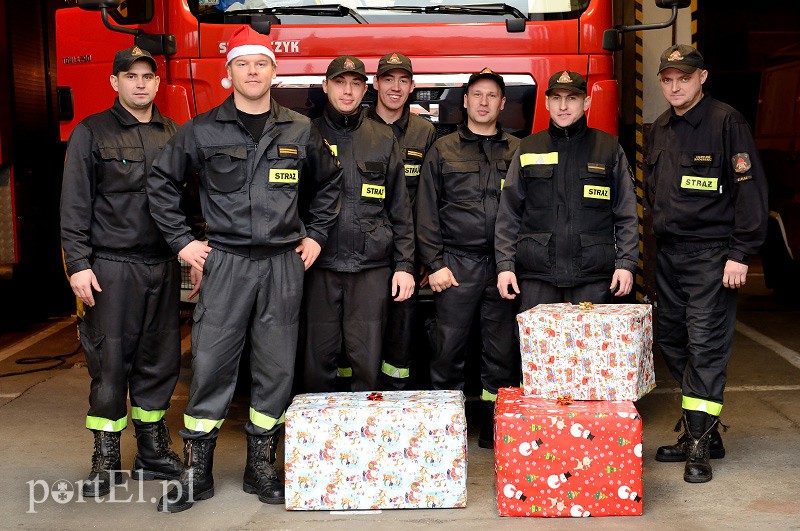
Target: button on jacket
[568, 211]
[705, 180]
[250, 189]
[375, 227]
[459, 192]
[104, 207]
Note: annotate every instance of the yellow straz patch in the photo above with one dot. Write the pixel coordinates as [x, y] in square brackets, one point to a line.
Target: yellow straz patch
[531, 159]
[283, 176]
[412, 170]
[597, 192]
[373, 191]
[693, 182]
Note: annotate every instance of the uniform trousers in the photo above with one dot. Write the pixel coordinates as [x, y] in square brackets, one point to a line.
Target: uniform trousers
[258, 298]
[131, 340]
[345, 316]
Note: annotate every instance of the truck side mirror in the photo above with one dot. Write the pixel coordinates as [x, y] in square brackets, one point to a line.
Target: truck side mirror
[611, 40]
[97, 5]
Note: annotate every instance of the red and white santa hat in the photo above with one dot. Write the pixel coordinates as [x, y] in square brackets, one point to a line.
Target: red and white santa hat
[247, 41]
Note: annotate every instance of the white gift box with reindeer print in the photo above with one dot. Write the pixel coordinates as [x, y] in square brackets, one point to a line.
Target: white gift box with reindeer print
[389, 450]
[586, 351]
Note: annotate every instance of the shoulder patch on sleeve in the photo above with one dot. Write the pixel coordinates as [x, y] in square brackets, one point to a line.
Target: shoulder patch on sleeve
[741, 162]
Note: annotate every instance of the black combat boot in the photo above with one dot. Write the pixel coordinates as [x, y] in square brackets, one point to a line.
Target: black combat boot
[260, 476]
[699, 426]
[486, 436]
[105, 464]
[677, 452]
[154, 458]
[196, 481]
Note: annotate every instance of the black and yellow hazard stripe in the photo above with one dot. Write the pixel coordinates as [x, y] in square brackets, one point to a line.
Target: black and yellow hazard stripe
[639, 283]
[693, 10]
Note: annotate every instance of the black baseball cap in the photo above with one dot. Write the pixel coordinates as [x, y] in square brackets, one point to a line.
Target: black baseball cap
[683, 57]
[346, 64]
[566, 80]
[394, 60]
[487, 73]
[124, 59]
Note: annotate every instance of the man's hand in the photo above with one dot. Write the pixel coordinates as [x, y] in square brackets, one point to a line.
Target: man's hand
[423, 277]
[622, 279]
[196, 277]
[442, 279]
[505, 279]
[735, 275]
[309, 250]
[402, 285]
[82, 284]
[195, 254]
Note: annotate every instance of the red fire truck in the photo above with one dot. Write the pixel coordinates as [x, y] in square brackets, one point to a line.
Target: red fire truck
[524, 40]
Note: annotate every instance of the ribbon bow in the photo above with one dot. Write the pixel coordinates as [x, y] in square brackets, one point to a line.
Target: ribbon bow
[565, 400]
[586, 306]
[375, 396]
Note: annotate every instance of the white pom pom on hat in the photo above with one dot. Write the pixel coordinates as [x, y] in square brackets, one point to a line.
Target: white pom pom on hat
[247, 41]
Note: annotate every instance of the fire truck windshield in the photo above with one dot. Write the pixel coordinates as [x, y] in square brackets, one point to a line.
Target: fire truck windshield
[385, 11]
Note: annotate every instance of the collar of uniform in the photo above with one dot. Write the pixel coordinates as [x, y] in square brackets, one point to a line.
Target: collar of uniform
[226, 112]
[124, 116]
[469, 136]
[402, 122]
[693, 116]
[341, 121]
[571, 131]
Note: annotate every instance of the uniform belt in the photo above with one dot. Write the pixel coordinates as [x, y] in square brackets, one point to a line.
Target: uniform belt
[254, 252]
[473, 253]
[679, 247]
[140, 257]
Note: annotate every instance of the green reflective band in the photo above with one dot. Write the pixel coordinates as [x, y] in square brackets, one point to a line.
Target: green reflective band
[698, 404]
[344, 372]
[597, 192]
[693, 182]
[502, 183]
[138, 413]
[263, 421]
[532, 159]
[488, 397]
[394, 372]
[412, 170]
[282, 176]
[373, 190]
[204, 425]
[101, 424]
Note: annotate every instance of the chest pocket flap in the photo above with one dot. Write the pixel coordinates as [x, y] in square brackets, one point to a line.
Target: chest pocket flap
[461, 166]
[538, 171]
[121, 170]
[372, 167]
[225, 168]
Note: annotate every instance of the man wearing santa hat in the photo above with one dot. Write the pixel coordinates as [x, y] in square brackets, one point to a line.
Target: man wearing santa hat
[260, 165]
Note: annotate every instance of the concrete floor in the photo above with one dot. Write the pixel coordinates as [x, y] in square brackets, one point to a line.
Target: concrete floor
[757, 485]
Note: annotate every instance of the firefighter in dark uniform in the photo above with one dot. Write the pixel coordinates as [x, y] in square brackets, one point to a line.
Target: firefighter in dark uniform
[706, 186]
[256, 160]
[124, 272]
[567, 222]
[394, 83]
[457, 201]
[347, 291]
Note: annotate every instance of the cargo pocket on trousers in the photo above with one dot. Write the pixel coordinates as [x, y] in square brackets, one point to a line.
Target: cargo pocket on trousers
[197, 325]
[92, 342]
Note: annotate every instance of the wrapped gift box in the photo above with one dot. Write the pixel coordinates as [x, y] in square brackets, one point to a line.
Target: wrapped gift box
[555, 459]
[588, 352]
[391, 450]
